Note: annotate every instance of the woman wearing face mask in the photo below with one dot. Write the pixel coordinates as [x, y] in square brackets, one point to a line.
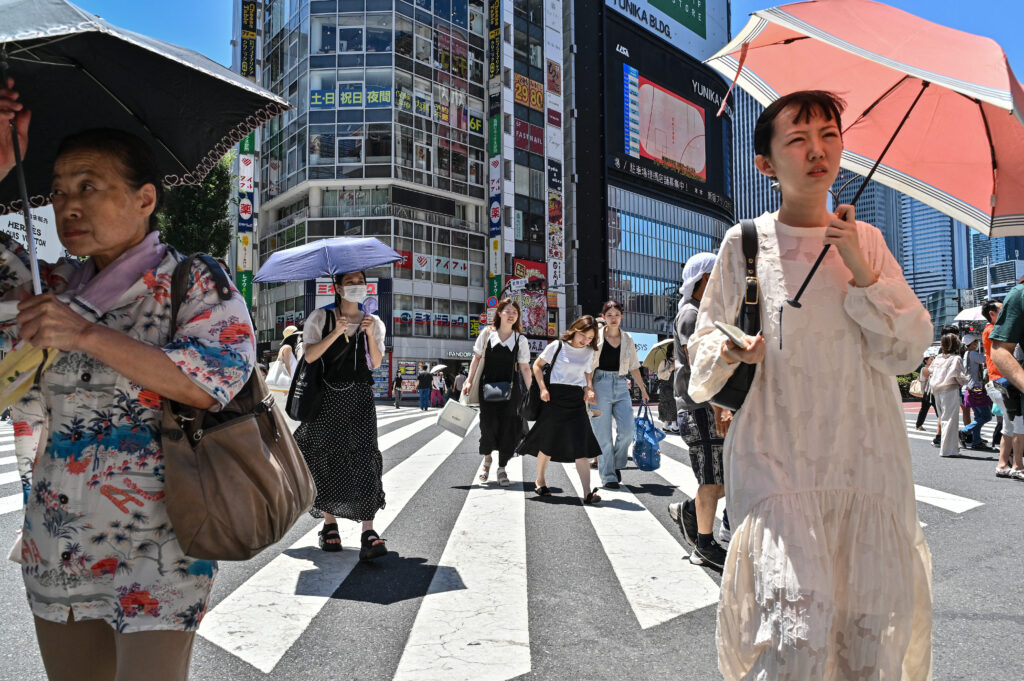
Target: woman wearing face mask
[614, 360]
[827, 575]
[340, 443]
[562, 432]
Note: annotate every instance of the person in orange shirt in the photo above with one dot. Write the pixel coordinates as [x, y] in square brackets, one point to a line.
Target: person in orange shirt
[1012, 444]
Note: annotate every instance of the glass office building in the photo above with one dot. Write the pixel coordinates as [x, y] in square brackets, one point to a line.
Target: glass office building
[386, 138]
[754, 194]
[935, 249]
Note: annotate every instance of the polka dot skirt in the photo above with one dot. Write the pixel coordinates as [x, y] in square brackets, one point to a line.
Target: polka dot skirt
[340, 448]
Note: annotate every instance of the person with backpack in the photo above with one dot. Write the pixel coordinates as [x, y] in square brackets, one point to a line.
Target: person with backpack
[562, 431]
[340, 442]
[110, 588]
[697, 424]
[827, 574]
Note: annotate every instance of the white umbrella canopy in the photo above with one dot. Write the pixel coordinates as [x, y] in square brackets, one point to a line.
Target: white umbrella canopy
[971, 314]
[439, 367]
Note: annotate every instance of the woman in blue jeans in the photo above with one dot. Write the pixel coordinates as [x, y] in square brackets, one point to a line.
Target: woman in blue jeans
[615, 359]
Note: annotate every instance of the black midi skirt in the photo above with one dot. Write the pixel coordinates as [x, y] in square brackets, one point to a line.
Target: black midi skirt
[340, 448]
[562, 431]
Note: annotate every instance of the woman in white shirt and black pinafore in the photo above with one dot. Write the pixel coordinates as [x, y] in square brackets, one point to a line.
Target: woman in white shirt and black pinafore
[562, 432]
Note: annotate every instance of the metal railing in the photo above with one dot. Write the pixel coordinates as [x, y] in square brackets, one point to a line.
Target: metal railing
[381, 210]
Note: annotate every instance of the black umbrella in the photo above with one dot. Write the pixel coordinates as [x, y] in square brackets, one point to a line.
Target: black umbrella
[76, 71]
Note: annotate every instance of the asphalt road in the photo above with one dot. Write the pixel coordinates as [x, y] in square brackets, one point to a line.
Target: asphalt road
[492, 583]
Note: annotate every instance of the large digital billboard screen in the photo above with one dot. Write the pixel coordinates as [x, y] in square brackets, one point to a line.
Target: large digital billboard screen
[697, 27]
[662, 128]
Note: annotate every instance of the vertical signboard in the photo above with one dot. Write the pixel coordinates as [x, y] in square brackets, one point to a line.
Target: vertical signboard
[555, 234]
[246, 161]
[247, 63]
[494, 39]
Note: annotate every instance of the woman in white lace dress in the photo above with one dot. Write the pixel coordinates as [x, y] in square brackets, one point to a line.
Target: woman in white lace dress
[827, 575]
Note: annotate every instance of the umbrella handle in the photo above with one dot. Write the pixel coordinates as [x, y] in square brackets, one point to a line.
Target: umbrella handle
[23, 188]
[795, 300]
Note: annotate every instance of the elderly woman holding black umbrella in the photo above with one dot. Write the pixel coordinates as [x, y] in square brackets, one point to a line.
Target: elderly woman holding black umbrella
[109, 586]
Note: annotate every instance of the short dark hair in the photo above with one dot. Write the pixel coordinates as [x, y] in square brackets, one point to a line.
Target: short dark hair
[582, 325]
[950, 344]
[951, 328]
[138, 165]
[988, 308]
[612, 305]
[809, 103]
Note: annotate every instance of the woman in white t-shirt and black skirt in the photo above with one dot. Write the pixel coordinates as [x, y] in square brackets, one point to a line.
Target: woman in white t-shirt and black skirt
[562, 432]
[500, 352]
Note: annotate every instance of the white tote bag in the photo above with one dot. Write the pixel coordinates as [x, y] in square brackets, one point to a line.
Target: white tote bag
[457, 418]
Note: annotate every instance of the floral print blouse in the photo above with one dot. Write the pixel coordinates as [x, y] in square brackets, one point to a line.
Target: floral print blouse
[96, 538]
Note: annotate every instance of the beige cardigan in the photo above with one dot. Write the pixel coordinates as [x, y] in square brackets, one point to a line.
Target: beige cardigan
[628, 359]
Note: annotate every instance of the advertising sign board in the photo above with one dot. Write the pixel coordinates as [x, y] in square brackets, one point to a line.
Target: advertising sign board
[697, 27]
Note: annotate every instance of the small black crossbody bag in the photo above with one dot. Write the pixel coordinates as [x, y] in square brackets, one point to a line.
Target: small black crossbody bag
[500, 391]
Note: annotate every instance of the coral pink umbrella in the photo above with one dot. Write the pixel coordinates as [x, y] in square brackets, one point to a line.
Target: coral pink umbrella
[932, 112]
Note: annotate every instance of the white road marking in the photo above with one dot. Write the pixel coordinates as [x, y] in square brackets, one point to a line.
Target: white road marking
[681, 475]
[945, 500]
[399, 435]
[260, 620]
[474, 624]
[8, 460]
[11, 503]
[9, 476]
[654, 571]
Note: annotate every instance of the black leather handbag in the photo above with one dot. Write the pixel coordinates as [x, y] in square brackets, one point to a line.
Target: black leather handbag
[500, 391]
[305, 394]
[533, 405]
[734, 392]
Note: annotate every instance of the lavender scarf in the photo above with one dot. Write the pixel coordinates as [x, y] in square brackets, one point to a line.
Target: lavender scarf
[101, 290]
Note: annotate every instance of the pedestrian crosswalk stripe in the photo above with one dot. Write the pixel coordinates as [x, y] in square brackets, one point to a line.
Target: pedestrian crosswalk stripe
[399, 435]
[474, 621]
[4, 448]
[11, 503]
[8, 460]
[653, 570]
[681, 476]
[262, 619]
[9, 476]
[945, 500]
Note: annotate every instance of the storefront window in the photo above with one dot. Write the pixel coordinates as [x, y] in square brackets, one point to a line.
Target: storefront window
[459, 267]
[323, 37]
[424, 44]
[322, 89]
[403, 91]
[403, 36]
[378, 147]
[321, 149]
[423, 261]
[378, 33]
[403, 315]
[422, 316]
[378, 88]
[476, 275]
[350, 151]
[350, 34]
[442, 319]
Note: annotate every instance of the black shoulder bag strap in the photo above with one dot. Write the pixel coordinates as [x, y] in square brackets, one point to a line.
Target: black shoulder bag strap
[750, 310]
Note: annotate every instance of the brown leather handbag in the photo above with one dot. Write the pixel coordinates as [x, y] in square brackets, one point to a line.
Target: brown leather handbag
[236, 481]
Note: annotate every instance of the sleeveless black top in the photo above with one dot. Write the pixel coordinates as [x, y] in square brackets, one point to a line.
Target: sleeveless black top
[345, 362]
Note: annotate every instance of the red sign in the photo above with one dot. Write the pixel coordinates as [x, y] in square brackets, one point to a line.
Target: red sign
[529, 137]
[406, 262]
[555, 118]
[536, 139]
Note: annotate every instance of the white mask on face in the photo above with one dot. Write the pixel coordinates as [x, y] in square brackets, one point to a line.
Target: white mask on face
[354, 294]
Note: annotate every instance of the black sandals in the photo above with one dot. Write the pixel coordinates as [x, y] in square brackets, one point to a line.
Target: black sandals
[371, 546]
[592, 498]
[542, 491]
[330, 531]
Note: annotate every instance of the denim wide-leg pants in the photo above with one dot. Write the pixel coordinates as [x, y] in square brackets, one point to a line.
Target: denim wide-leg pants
[616, 406]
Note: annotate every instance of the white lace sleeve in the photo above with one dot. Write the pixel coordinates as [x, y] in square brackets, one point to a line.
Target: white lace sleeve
[721, 302]
[895, 327]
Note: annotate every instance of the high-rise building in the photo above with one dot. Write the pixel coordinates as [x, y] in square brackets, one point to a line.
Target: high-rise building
[649, 160]
[936, 251]
[387, 138]
[754, 192]
[985, 250]
[878, 205]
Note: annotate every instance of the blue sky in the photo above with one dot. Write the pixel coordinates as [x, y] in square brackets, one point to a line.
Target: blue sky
[205, 25]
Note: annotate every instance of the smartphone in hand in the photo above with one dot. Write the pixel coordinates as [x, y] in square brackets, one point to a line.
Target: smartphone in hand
[733, 333]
